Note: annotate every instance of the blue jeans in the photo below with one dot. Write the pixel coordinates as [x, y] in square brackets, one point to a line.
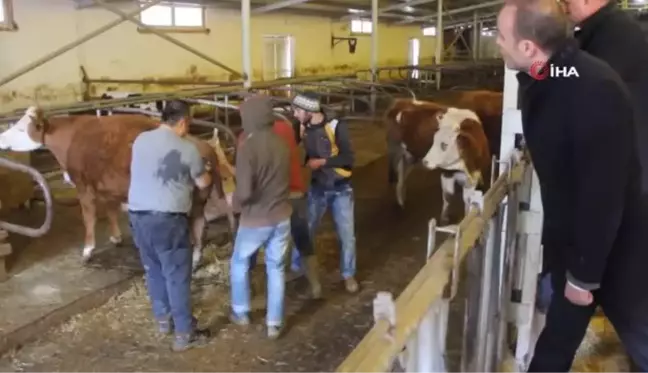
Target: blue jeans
[301, 238]
[165, 251]
[340, 200]
[275, 239]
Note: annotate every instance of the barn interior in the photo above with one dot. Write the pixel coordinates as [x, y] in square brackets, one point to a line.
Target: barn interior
[105, 57]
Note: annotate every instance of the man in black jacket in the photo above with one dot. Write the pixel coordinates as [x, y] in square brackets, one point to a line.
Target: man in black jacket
[580, 134]
[609, 33]
[329, 155]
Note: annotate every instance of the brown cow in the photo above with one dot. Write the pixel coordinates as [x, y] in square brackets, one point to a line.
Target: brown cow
[454, 139]
[96, 153]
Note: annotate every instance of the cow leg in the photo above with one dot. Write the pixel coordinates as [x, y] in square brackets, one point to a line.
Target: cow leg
[112, 211]
[447, 190]
[402, 171]
[467, 195]
[233, 223]
[89, 210]
[197, 233]
[394, 154]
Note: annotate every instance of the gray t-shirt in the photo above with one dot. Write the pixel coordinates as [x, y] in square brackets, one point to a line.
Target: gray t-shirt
[163, 169]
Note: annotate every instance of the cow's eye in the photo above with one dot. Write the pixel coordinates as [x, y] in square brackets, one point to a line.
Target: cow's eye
[444, 146]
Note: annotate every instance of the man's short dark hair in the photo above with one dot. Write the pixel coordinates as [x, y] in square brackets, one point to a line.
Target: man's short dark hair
[542, 21]
[174, 111]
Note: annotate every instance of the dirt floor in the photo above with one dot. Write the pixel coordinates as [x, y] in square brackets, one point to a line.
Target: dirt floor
[120, 335]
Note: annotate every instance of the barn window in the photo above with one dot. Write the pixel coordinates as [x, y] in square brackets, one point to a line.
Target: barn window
[429, 31]
[6, 16]
[361, 26]
[174, 16]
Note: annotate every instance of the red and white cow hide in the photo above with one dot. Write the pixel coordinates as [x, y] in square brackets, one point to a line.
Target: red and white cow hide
[439, 137]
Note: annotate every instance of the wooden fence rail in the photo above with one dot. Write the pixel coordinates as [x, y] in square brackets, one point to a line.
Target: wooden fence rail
[384, 342]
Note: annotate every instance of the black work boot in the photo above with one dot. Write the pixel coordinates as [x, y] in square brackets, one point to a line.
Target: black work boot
[311, 268]
[184, 342]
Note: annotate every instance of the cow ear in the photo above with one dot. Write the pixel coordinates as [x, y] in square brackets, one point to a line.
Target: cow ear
[473, 145]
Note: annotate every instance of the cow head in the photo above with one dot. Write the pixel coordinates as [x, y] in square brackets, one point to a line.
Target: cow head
[459, 144]
[26, 134]
[410, 129]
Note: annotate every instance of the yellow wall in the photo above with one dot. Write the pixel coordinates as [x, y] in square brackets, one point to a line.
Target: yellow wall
[124, 53]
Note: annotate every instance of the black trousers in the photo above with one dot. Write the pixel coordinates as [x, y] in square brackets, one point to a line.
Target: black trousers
[566, 325]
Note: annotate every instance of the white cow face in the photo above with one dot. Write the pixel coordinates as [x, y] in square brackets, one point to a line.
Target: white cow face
[444, 152]
[18, 137]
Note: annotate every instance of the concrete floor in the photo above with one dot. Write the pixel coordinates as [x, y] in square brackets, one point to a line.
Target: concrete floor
[118, 336]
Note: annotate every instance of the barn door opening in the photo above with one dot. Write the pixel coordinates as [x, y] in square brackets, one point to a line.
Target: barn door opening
[413, 58]
[278, 57]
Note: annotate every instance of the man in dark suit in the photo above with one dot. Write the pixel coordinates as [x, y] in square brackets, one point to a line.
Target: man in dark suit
[612, 35]
[578, 125]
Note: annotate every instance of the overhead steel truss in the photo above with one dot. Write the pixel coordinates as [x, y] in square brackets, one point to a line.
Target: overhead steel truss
[246, 78]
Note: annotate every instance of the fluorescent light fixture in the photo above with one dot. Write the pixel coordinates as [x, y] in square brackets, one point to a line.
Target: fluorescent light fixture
[429, 31]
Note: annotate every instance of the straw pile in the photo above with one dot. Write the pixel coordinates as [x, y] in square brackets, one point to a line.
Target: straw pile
[600, 351]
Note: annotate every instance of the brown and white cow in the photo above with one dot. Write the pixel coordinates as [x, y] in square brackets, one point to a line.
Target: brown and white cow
[96, 154]
[449, 138]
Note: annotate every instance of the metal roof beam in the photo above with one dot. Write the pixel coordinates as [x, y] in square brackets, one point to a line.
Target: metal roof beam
[277, 6]
[452, 12]
[383, 11]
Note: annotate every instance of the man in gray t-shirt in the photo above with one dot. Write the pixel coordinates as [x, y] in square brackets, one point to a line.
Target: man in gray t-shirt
[163, 171]
[165, 168]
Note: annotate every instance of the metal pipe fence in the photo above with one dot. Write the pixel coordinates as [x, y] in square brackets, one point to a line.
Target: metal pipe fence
[349, 92]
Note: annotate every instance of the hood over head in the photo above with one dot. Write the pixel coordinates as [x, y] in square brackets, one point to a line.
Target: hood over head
[257, 113]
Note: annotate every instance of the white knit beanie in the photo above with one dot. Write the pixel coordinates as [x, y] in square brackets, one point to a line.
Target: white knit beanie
[307, 101]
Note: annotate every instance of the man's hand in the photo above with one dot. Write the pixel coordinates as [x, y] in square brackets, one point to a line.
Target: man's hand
[316, 163]
[302, 129]
[577, 296]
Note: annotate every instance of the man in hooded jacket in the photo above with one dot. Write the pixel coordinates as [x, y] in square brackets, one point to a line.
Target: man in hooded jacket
[262, 192]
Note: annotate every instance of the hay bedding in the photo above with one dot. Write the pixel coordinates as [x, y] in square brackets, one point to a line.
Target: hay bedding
[215, 264]
[125, 323]
[600, 351]
[127, 315]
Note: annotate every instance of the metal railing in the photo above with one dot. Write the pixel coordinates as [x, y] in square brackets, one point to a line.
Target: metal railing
[413, 330]
[352, 96]
[39, 179]
[350, 88]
